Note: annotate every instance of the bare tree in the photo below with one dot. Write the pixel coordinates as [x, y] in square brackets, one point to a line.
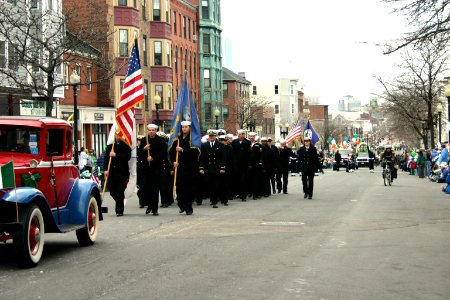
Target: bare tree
[416, 93]
[430, 17]
[249, 111]
[38, 45]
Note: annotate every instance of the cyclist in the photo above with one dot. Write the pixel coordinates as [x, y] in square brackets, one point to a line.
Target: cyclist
[389, 156]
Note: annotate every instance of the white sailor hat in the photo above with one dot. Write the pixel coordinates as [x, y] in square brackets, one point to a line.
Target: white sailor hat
[282, 141]
[204, 138]
[222, 137]
[241, 131]
[152, 126]
[185, 123]
[251, 133]
[264, 139]
[230, 135]
[211, 132]
[161, 133]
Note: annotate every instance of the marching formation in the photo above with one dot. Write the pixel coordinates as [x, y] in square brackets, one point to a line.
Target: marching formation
[232, 167]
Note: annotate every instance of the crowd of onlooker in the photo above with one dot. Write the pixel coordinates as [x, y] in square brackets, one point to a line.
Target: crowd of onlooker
[428, 163]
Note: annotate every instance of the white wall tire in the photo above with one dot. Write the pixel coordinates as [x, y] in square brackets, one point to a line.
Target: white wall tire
[88, 235]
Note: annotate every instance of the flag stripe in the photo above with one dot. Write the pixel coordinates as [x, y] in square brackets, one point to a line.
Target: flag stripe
[132, 94]
[7, 179]
[294, 133]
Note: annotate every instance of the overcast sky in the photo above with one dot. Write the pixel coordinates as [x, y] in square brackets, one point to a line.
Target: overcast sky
[329, 45]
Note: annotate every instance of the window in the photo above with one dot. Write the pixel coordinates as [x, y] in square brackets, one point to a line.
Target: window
[55, 142]
[169, 97]
[50, 5]
[78, 68]
[156, 10]
[206, 78]
[175, 60]
[292, 89]
[34, 4]
[146, 94]
[208, 111]
[122, 2]
[292, 108]
[13, 59]
[123, 42]
[205, 9]
[36, 59]
[68, 142]
[144, 10]
[254, 91]
[277, 109]
[225, 111]
[158, 54]
[134, 3]
[66, 75]
[20, 139]
[184, 27]
[2, 54]
[168, 53]
[89, 77]
[190, 65]
[185, 59]
[276, 89]
[144, 50]
[174, 22]
[159, 91]
[189, 28]
[121, 83]
[195, 66]
[206, 43]
[225, 89]
[167, 11]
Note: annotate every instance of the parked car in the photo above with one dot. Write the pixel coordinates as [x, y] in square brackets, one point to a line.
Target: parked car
[43, 192]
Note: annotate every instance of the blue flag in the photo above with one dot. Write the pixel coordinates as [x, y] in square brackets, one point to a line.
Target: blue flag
[185, 110]
[314, 136]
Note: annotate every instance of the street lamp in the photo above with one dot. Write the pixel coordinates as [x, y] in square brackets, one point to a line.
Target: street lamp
[439, 111]
[284, 132]
[157, 99]
[216, 114]
[75, 80]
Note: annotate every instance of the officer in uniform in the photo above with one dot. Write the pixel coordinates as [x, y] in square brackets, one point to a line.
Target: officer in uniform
[224, 178]
[308, 162]
[166, 178]
[212, 164]
[256, 166]
[186, 166]
[283, 166]
[153, 153]
[267, 166]
[118, 172]
[241, 154]
[274, 169]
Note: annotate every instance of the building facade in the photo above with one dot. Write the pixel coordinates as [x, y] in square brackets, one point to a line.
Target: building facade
[211, 78]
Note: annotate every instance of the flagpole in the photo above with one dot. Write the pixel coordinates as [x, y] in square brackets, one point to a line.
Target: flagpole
[175, 173]
[106, 178]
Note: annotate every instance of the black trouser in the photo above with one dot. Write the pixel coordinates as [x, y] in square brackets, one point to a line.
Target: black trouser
[308, 182]
[255, 183]
[272, 181]
[371, 163]
[240, 183]
[212, 181]
[151, 190]
[266, 183]
[117, 185]
[283, 185]
[184, 193]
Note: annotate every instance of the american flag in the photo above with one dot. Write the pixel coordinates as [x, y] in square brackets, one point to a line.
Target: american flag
[132, 94]
[294, 133]
[95, 179]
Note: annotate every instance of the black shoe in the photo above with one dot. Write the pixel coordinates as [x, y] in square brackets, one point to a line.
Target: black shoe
[279, 191]
[149, 210]
[188, 213]
[310, 197]
[199, 203]
[255, 198]
[181, 210]
[215, 206]
[273, 192]
[119, 214]
[244, 200]
[155, 214]
[305, 196]
[141, 206]
[285, 192]
[226, 204]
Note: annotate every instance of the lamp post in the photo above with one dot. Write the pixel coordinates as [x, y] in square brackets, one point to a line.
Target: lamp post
[157, 99]
[216, 114]
[447, 94]
[439, 111]
[75, 80]
[284, 132]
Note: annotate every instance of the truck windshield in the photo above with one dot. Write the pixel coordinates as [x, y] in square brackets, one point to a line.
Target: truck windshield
[19, 139]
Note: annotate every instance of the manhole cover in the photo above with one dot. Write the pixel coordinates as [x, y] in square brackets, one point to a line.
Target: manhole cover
[282, 223]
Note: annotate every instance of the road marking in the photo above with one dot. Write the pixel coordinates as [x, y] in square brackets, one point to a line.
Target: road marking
[282, 223]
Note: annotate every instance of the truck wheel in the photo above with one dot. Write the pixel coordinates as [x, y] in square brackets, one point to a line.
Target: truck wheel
[87, 235]
[29, 242]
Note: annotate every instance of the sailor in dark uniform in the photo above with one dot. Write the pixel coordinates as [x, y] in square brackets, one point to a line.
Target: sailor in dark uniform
[186, 166]
[212, 164]
[256, 165]
[241, 154]
[308, 162]
[118, 172]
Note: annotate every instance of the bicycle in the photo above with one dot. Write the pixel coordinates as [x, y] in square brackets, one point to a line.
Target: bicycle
[387, 174]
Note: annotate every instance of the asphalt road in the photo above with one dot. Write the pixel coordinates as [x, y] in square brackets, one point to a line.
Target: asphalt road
[357, 239]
